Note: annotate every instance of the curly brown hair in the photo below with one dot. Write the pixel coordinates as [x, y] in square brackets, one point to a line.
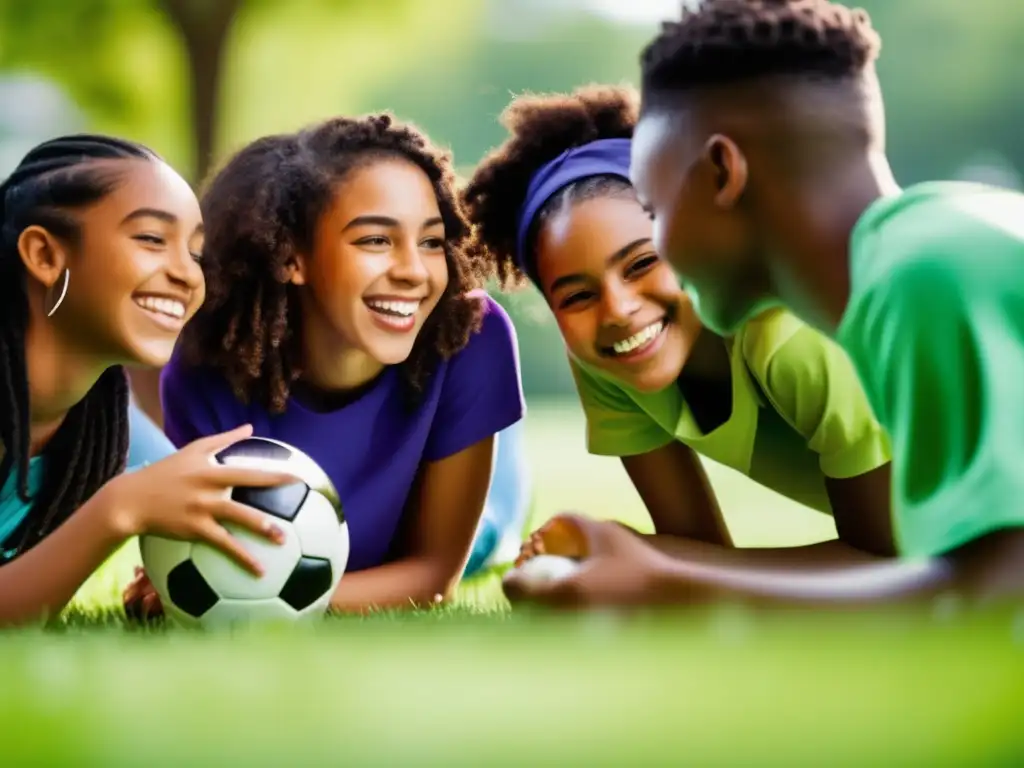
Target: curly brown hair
[541, 127]
[728, 41]
[261, 209]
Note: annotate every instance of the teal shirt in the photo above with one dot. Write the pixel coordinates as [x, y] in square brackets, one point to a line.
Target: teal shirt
[147, 444]
[935, 328]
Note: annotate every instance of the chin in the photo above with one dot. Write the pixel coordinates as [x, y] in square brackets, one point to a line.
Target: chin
[150, 354]
[389, 354]
[651, 381]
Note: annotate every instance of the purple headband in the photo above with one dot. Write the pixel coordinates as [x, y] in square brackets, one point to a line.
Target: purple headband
[604, 157]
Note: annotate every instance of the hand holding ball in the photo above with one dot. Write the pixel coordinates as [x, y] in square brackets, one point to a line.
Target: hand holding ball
[199, 585]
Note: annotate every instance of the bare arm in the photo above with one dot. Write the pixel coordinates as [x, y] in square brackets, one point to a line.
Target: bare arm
[623, 570]
[445, 506]
[677, 493]
[33, 588]
[675, 489]
[985, 571]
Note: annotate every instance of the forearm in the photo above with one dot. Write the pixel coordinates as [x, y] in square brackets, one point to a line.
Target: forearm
[833, 552]
[852, 585]
[37, 585]
[409, 583]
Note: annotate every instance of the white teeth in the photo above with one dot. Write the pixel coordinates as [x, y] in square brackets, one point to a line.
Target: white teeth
[637, 340]
[403, 308]
[170, 307]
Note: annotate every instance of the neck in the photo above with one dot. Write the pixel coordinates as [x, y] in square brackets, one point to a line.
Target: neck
[332, 366]
[708, 359]
[812, 272]
[58, 379]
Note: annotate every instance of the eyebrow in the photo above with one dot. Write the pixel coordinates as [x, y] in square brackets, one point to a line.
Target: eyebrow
[150, 213]
[385, 221]
[614, 259]
[162, 215]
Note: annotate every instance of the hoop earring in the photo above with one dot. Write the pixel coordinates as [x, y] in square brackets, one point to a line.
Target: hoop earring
[63, 292]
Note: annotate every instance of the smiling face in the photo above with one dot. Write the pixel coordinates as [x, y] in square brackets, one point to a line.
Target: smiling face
[618, 305]
[377, 267]
[133, 280]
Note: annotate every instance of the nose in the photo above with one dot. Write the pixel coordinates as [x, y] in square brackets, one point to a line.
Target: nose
[618, 303]
[407, 266]
[184, 270]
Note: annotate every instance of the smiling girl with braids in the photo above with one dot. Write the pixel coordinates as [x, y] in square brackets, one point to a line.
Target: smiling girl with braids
[340, 319]
[776, 401]
[97, 270]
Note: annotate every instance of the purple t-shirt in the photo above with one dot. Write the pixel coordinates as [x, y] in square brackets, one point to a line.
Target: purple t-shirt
[373, 447]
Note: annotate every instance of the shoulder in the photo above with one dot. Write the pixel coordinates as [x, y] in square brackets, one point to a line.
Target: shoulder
[182, 382]
[937, 234]
[494, 338]
[496, 327]
[769, 335]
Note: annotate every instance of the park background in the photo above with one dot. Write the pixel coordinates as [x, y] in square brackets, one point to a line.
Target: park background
[195, 80]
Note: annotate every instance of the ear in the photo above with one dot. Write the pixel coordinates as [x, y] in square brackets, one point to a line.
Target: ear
[42, 254]
[296, 269]
[729, 165]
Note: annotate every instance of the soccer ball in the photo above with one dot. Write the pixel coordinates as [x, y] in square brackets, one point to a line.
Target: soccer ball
[200, 586]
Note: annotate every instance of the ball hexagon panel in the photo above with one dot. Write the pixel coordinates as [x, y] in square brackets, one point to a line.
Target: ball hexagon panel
[267, 453]
[283, 501]
[160, 557]
[254, 449]
[312, 578]
[232, 580]
[227, 613]
[189, 590]
[318, 528]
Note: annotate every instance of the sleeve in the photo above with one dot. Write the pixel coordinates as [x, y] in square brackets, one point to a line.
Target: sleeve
[189, 413]
[616, 425]
[146, 443]
[812, 384]
[942, 363]
[482, 393]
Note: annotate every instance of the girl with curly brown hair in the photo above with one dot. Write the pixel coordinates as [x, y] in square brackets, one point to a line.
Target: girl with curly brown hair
[341, 318]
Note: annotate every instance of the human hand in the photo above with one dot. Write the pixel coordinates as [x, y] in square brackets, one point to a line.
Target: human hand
[618, 568]
[141, 601]
[558, 536]
[187, 496]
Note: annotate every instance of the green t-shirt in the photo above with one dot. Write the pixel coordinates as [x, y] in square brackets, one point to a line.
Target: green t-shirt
[816, 422]
[935, 328]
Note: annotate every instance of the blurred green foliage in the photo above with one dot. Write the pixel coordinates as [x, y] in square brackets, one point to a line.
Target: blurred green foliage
[949, 70]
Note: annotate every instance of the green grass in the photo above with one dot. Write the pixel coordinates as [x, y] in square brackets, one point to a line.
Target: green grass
[475, 684]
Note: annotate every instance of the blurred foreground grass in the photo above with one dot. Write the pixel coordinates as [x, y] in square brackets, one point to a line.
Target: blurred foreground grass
[473, 684]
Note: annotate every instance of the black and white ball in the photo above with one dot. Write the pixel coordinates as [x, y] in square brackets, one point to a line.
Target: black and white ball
[199, 586]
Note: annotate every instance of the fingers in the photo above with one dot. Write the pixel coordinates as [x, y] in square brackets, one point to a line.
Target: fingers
[218, 537]
[247, 477]
[151, 606]
[214, 443]
[558, 593]
[250, 519]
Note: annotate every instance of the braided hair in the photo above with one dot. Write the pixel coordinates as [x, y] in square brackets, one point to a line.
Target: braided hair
[722, 42]
[91, 445]
[541, 127]
[262, 208]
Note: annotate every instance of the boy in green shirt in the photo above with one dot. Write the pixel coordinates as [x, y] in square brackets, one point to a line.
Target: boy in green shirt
[760, 156]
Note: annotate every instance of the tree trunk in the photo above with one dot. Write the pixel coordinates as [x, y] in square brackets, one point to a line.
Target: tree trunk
[204, 27]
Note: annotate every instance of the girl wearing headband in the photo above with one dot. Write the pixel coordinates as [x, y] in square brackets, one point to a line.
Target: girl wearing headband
[778, 401]
[98, 238]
